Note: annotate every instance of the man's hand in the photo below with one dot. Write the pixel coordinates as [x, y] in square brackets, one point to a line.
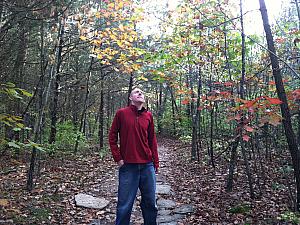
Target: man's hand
[156, 170]
[121, 163]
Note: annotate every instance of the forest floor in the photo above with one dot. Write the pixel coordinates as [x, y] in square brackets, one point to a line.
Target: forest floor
[192, 183]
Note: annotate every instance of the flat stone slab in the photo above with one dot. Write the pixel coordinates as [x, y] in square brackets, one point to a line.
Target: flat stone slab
[89, 201]
[184, 209]
[166, 203]
[169, 219]
[96, 222]
[164, 212]
[171, 223]
[163, 189]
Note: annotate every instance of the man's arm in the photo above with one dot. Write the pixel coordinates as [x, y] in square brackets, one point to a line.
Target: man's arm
[113, 138]
[153, 143]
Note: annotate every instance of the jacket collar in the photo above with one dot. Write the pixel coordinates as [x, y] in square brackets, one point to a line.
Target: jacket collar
[134, 109]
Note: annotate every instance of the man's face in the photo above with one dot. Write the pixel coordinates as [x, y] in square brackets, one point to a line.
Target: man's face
[137, 95]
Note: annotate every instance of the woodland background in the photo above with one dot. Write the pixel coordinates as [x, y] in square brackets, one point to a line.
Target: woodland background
[231, 99]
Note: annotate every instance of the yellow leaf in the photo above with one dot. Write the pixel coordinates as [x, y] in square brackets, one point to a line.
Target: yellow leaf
[100, 56]
[119, 43]
[120, 5]
[143, 78]
[3, 202]
[121, 27]
[83, 38]
[97, 14]
[111, 5]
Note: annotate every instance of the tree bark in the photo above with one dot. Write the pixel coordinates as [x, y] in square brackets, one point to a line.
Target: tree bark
[285, 112]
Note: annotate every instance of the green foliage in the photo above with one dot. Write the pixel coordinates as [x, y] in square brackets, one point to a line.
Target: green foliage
[40, 214]
[277, 186]
[12, 92]
[66, 138]
[289, 217]
[186, 138]
[241, 208]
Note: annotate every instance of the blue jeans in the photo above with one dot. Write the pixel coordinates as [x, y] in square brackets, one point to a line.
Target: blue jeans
[131, 177]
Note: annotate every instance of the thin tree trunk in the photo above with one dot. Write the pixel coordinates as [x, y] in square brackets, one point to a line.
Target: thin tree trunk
[287, 124]
[242, 95]
[40, 108]
[130, 85]
[195, 124]
[232, 164]
[101, 114]
[298, 13]
[85, 104]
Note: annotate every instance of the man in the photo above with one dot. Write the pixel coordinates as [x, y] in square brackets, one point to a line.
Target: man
[137, 158]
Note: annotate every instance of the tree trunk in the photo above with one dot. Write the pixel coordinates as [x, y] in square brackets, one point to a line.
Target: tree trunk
[101, 114]
[39, 119]
[195, 124]
[242, 95]
[287, 124]
[57, 76]
[298, 13]
[85, 104]
[130, 85]
[232, 164]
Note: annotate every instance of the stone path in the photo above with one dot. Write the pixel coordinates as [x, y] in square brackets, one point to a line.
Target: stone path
[169, 211]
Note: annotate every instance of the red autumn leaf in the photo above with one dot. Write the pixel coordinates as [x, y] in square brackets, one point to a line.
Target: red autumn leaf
[246, 137]
[280, 40]
[185, 102]
[249, 104]
[272, 82]
[237, 117]
[200, 108]
[225, 93]
[227, 84]
[248, 128]
[274, 101]
[296, 94]
[217, 82]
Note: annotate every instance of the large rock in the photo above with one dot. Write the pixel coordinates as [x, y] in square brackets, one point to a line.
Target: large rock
[89, 201]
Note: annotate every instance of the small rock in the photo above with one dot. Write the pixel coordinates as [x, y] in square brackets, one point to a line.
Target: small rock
[184, 209]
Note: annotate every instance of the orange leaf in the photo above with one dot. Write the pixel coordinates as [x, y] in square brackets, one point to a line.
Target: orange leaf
[185, 102]
[274, 101]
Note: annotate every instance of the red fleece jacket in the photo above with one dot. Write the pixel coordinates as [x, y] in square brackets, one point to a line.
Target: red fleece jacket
[137, 137]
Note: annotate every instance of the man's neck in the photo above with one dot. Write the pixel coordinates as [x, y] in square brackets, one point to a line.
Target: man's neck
[138, 105]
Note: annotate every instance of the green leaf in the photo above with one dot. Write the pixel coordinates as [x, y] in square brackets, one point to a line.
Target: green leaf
[17, 129]
[26, 93]
[10, 85]
[13, 145]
